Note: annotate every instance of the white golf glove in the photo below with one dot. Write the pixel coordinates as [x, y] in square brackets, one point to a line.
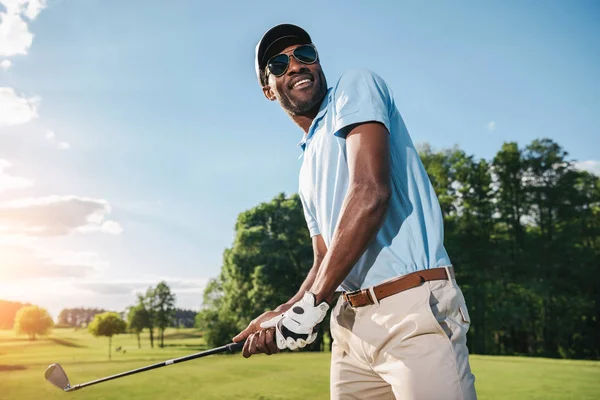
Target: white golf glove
[295, 328]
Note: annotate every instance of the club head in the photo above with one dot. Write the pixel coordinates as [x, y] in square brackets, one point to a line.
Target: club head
[57, 376]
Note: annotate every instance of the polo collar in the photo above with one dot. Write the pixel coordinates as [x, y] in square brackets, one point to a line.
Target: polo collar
[311, 130]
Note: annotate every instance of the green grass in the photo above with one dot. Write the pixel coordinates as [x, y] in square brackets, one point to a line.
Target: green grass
[284, 376]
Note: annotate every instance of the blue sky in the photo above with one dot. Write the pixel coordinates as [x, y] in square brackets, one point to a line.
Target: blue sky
[133, 133]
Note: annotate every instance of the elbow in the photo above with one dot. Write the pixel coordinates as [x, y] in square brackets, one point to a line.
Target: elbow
[376, 198]
[383, 197]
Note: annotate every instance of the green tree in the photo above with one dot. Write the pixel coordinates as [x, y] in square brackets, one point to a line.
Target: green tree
[522, 230]
[217, 323]
[511, 197]
[269, 259]
[137, 319]
[148, 300]
[107, 324]
[472, 228]
[164, 308]
[33, 320]
[440, 168]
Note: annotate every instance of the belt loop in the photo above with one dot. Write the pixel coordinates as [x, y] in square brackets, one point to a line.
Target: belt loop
[446, 267]
[373, 297]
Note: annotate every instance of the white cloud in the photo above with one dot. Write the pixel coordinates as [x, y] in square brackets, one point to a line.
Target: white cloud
[5, 64]
[29, 8]
[15, 37]
[491, 125]
[63, 292]
[34, 7]
[51, 136]
[592, 166]
[177, 285]
[56, 216]
[8, 182]
[111, 227]
[15, 109]
[27, 261]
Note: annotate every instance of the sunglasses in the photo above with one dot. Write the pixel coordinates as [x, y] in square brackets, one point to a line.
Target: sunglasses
[278, 65]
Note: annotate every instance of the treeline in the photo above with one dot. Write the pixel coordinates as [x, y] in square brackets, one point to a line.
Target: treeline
[8, 311]
[522, 230]
[78, 317]
[81, 317]
[153, 312]
[184, 318]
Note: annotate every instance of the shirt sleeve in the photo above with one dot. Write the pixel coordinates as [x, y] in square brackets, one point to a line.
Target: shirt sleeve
[311, 221]
[361, 96]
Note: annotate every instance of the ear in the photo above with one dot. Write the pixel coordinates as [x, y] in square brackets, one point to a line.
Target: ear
[268, 92]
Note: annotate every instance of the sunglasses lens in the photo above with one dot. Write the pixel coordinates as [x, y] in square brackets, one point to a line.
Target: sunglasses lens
[278, 64]
[306, 54]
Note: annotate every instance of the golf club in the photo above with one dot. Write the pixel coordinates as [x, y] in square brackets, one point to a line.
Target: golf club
[56, 375]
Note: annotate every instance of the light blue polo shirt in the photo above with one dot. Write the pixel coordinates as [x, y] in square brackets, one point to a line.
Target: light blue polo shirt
[412, 235]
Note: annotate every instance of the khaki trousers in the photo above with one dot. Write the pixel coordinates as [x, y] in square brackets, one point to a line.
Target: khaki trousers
[412, 346]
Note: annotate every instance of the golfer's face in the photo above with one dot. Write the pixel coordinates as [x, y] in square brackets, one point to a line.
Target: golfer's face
[301, 86]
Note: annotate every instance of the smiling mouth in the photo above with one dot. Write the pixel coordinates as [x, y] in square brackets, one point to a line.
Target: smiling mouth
[302, 83]
[304, 80]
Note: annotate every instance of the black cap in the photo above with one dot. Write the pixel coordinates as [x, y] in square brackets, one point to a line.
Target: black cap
[283, 34]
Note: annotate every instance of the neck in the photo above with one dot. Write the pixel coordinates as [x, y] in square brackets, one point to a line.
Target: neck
[305, 120]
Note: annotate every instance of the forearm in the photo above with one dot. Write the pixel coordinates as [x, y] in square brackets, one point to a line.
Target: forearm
[363, 213]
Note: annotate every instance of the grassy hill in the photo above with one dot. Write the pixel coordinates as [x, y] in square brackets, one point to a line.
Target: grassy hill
[284, 376]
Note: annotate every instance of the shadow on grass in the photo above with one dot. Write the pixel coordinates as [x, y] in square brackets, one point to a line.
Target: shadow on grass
[65, 343]
[183, 335]
[140, 361]
[199, 347]
[12, 367]
[15, 339]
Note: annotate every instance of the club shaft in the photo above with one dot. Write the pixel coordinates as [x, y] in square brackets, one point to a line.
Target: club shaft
[228, 347]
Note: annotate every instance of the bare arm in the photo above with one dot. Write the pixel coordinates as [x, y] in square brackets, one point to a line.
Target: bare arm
[364, 207]
[363, 211]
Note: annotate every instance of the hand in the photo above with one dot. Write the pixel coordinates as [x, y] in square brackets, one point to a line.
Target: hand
[259, 340]
[295, 327]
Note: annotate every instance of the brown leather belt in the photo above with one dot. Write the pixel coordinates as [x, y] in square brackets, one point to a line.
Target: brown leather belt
[363, 297]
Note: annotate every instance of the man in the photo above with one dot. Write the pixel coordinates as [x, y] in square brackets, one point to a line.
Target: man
[399, 329]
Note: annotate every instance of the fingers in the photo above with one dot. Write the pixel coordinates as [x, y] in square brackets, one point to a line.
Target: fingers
[248, 345]
[240, 336]
[270, 341]
[291, 344]
[261, 342]
[260, 345]
[251, 328]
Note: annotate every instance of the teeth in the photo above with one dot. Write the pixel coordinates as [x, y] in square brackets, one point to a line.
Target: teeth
[300, 82]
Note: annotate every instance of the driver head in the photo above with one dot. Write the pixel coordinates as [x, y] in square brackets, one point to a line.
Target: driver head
[57, 376]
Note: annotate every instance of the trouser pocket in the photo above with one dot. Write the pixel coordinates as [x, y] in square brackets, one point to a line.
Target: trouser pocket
[448, 308]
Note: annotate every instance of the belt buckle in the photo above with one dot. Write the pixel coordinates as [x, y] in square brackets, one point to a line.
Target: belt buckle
[348, 294]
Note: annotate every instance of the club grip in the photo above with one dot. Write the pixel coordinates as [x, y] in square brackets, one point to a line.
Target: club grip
[235, 346]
